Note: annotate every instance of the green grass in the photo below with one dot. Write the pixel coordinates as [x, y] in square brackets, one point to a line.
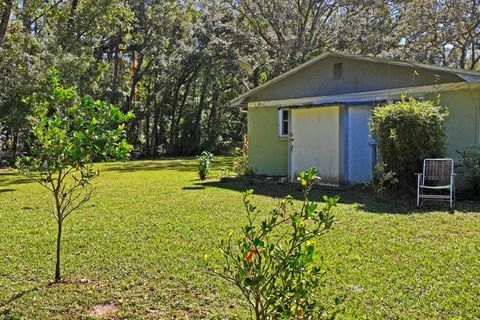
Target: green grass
[140, 245]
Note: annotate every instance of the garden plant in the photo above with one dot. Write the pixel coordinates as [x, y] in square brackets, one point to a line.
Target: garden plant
[273, 260]
[64, 145]
[205, 160]
[408, 131]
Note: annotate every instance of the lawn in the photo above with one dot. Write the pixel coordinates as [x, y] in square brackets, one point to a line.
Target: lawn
[139, 248]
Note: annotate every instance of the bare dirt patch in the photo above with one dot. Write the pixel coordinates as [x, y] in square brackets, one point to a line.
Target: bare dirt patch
[103, 310]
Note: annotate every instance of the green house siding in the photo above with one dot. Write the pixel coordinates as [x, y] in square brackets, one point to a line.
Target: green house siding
[462, 122]
[268, 153]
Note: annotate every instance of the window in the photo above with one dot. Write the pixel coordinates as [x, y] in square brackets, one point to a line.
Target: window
[283, 122]
[337, 71]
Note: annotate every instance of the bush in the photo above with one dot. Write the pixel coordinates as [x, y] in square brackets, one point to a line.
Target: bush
[407, 132]
[382, 179]
[204, 164]
[240, 166]
[470, 159]
[272, 261]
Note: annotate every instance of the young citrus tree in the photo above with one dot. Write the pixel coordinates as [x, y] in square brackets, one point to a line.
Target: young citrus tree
[66, 140]
[272, 260]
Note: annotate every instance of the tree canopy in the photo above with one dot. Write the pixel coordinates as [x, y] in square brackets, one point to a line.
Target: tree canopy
[173, 63]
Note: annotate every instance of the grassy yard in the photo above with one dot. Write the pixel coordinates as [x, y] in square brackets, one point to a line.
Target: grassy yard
[139, 248]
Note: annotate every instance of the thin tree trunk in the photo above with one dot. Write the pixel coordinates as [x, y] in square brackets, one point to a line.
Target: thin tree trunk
[211, 134]
[71, 17]
[154, 142]
[58, 209]
[198, 120]
[14, 147]
[463, 57]
[59, 241]
[176, 136]
[147, 116]
[473, 57]
[157, 126]
[116, 67]
[5, 20]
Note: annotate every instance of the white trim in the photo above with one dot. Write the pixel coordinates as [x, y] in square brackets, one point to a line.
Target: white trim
[280, 123]
[367, 96]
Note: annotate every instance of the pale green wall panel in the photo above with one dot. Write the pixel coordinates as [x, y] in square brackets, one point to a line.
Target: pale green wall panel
[462, 122]
[267, 152]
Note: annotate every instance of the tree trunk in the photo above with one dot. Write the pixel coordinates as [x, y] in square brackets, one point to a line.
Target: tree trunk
[116, 64]
[463, 57]
[211, 132]
[198, 120]
[136, 66]
[71, 17]
[14, 147]
[154, 138]
[176, 132]
[5, 20]
[58, 277]
[147, 117]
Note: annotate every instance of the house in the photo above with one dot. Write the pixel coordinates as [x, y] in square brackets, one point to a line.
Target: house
[317, 114]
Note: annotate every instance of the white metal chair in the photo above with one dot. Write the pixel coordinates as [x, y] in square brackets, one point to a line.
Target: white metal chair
[437, 175]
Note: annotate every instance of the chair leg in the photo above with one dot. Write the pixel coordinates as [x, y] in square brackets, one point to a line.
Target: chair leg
[451, 197]
[418, 191]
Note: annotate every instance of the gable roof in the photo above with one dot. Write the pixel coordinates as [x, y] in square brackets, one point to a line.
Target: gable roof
[467, 75]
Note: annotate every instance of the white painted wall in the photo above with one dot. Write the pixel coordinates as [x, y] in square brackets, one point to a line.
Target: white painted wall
[315, 142]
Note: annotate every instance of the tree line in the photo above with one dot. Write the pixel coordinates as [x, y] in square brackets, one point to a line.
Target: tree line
[174, 63]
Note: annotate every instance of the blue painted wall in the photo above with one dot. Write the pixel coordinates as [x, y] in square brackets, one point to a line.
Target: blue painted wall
[360, 149]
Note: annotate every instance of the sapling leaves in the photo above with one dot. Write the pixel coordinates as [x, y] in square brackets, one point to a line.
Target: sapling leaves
[64, 145]
[272, 261]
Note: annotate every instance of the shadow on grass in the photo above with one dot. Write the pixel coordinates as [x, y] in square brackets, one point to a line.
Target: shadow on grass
[12, 178]
[17, 296]
[6, 190]
[363, 198]
[7, 315]
[194, 188]
[166, 163]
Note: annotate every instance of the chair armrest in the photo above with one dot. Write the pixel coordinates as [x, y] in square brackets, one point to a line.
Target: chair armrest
[454, 174]
[418, 174]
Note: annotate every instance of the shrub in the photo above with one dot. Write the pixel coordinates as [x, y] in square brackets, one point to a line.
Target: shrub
[382, 179]
[204, 164]
[240, 166]
[470, 159]
[272, 261]
[409, 131]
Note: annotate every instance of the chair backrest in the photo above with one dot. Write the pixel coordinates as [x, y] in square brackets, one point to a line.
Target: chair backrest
[437, 170]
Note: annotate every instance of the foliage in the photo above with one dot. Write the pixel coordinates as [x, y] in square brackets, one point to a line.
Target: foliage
[470, 159]
[382, 179]
[174, 63]
[205, 160]
[273, 261]
[240, 166]
[407, 132]
[64, 145]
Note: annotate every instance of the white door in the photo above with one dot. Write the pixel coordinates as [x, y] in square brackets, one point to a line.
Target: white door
[314, 142]
[360, 147]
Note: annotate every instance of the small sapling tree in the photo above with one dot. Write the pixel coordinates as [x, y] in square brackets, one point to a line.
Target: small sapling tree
[272, 261]
[65, 142]
[205, 160]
